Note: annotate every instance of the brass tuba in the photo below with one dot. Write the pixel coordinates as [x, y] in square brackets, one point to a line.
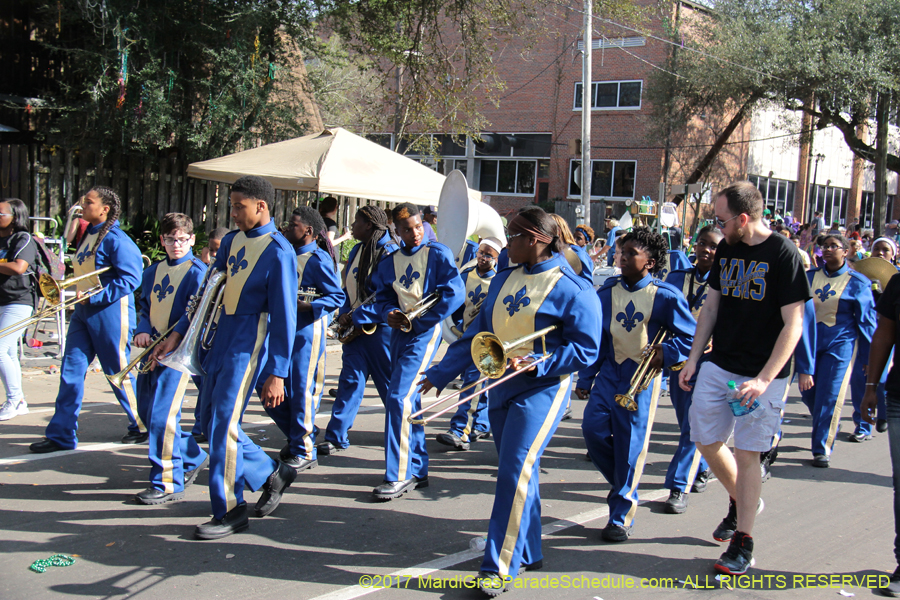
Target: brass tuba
[186, 358]
[644, 375]
[421, 307]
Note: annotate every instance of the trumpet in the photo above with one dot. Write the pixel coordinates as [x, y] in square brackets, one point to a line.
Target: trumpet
[421, 307]
[347, 333]
[644, 375]
[49, 311]
[52, 289]
[118, 379]
[307, 294]
[201, 331]
[491, 356]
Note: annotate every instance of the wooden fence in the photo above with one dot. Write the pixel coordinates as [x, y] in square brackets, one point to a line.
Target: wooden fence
[49, 179]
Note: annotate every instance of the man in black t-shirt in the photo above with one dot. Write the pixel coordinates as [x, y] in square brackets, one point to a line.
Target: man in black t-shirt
[885, 339]
[754, 314]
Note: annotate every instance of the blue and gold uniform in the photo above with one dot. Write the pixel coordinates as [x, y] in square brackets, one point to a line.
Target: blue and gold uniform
[255, 332]
[472, 417]
[102, 328]
[677, 261]
[525, 411]
[617, 439]
[580, 262]
[167, 286]
[687, 461]
[296, 416]
[845, 315]
[366, 356]
[401, 280]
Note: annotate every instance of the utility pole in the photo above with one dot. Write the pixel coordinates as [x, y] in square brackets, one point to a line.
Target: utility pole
[586, 89]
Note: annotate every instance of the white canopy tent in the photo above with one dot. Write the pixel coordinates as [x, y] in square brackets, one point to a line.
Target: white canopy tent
[333, 161]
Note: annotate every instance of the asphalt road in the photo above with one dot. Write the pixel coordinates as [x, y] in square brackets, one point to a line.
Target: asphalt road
[822, 531]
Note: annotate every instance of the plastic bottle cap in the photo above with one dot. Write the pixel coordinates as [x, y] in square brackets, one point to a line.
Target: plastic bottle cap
[732, 385]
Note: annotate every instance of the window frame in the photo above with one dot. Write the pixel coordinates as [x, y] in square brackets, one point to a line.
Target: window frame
[516, 160]
[618, 82]
[610, 197]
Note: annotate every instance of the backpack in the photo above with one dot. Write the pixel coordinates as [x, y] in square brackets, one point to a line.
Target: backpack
[47, 262]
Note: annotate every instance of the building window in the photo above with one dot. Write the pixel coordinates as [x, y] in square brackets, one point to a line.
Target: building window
[507, 176]
[867, 210]
[832, 201]
[778, 194]
[610, 179]
[611, 95]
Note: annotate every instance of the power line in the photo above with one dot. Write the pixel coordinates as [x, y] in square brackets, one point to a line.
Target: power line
[541, 72]
[774, 137]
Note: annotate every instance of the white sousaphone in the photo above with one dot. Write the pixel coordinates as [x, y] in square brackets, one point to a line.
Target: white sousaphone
[459, 218]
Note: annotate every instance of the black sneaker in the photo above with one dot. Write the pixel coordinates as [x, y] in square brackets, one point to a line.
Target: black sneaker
[764, 473]
[881, 425]
[739, 556]
[451, 439]
[327, 449]
[725, 531]
[135, 437]
[677, 502]
[701, 480]
[490, 583]
[858, 437]
[892, 589]
[821, 461]
[476, 435]
[616, 533]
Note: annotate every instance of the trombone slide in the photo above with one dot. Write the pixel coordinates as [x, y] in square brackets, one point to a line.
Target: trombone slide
[50, 311]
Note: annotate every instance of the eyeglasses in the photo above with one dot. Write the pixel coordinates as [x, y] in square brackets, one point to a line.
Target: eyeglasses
[481, 254]
[833, 247]
[721, 224]
[173, 241]
[5, 215]
[509, 238]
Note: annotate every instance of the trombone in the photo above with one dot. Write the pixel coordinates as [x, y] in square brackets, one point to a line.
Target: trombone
[52, 289]
[421, 307]
[118, 379]
[490, 355]
[644, 375]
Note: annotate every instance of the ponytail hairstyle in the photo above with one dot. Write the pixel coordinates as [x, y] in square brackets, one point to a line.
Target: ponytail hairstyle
[565, 234]
[111, 199]
[545, 224]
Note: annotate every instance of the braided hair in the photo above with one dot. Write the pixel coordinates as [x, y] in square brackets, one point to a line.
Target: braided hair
[111, 199]
[655, 245]
[370, 254]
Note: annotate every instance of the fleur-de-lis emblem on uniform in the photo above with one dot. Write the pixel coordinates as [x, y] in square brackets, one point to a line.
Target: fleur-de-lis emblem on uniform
[410, 276]
[700, 302]
[355, 272]
[237, 262]
[477, 295]
[520, 301]
[630, 318]
[825, 293]
[662, 273]
[163, 289]
[83, 255]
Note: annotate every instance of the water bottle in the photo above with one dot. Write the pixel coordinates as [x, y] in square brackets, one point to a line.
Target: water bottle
[734, 401]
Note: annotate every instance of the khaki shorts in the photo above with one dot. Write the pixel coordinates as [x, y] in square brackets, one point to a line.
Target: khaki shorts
[712, 420]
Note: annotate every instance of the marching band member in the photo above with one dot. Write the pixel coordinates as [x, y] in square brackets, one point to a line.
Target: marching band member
[101, 325]
[470, 423]
[525, 411]
[577, 256]
[845, 314]
[368, 355]
[584, 236]
[635, 307]
[688, 471]
[306, 380]
[167, 286]
[255, 332]
[405, 278]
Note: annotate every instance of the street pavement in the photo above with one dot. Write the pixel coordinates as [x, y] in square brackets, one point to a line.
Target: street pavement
[822, 534]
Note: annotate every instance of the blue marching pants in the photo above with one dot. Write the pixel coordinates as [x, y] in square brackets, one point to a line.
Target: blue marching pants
[522, 427]
[303, 388]
[473, 415]
[617, 439]
[366, 356]
[232, 367]
[106, 334]
[172, 451]
[826, 398]
[404, 443]
[687, 460]
[858, 390]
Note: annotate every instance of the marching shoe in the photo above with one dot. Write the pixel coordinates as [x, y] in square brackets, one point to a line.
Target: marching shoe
[235, 520]
[327, 449]
[394, 489]
[701, 481]
[491, 583]
[199, 438]
[677, 502]
[451, 439]
[881, 425]
[135, 437]
[739, 556]
[333, 392]
[154, 496]
[821, 461]
[278, 481]
[476, 435]
[616, 533]
[535, 566]
[190, 476]
[44, 446]
[300, 464]
[858, 437]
